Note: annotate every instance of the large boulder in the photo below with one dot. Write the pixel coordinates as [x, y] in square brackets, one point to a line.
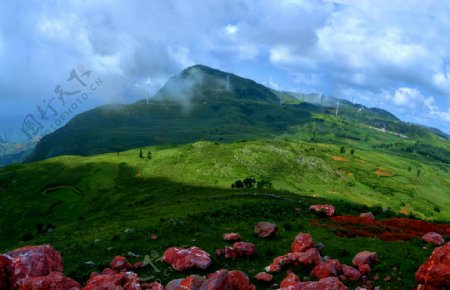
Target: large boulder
[350, 273]
[290, 280]
[264, 277]
[329, 268]
[4, 276]
[433, 238]
[227, 280]
[368, 215]
[330, 283]
[365, 257]
[183, 259]
[308, 258]
[244, 249]
[326, 209]
[435, 272]
[152, 286]
[278, 262]
[231, 237]
[53, 281]
[193, 282]
[302, 242]
[122, 280]
[33, 261]
[120, 263]
[265, 230]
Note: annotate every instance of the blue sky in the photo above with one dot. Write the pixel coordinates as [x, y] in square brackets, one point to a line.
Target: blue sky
[394, 53]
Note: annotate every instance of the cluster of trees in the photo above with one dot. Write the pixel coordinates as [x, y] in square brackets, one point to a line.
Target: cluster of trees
[437, 153]
[249, 182]
[343, 150]
[141, 154]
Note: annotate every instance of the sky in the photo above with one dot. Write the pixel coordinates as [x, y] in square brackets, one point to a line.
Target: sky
[391, 54]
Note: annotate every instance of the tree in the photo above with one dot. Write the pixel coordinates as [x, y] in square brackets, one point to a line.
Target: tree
[409, 168]
[264, 182]
[249, 182]
[140, 153]
[149, 154]
[238, 184]
[352, 151]
[342, 150]
[418, 172]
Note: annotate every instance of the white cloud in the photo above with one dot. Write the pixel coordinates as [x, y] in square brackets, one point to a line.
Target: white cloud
[231, 30]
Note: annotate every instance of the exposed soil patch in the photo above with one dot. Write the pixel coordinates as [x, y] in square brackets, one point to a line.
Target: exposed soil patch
[383, 172]
[339, 158]
[395, 229]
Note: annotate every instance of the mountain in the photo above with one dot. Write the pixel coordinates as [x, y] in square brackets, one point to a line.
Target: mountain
[202, 103]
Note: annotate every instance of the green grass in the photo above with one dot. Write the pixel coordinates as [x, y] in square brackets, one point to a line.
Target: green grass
[183, 195]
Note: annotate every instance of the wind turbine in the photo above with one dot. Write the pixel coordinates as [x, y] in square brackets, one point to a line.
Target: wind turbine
[228, 83]
[149, 86]
[337, 109]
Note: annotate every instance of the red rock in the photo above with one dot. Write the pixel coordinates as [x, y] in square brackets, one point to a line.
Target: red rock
[290, 280]
[368, 215]
[330, 283]
[33, 261]
[230, 252]
[193, 282]
[278, 262]
[226, 280]
[433, 238]
[119, 263]
[244, 249]
[364, 269]
[350, 273]
[327, 209]
[4, 277]
[266, 230]
[239, 281]
[220, 252]
[53, 281]
[302, 243]
[138, 265]
[308, 258]
[93, 274]
[231, 237]
[365, 257]
[435, 272]
[183, 259]
[152, 286]
[122, 280]
[330, 268]
[264, 277]
[108, 271]
[387, 279]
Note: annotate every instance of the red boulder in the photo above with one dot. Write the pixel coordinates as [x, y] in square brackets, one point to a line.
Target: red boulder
[53, 281]
[227, 280]
[326, 209]
[193, 282]
[264, 277]
[33, 261]
[364, 269]
[122, 280]
[368, 215]
[278, 262]
[350, 273]
[302, 242]
[290, 280]
[152, 286]
[435, 272]
[365, 257]
[433, 238]
[308, 258]
[330, 283]
[266, 230]
[183, 259]
[231, 237]
[4, 264]
[330, 268]
[120, 263]
[244, 249]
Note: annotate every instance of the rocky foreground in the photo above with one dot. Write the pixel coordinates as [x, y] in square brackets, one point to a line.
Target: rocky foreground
[41, 267]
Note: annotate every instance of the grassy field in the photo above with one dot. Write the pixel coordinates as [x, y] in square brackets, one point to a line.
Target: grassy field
[110, 204]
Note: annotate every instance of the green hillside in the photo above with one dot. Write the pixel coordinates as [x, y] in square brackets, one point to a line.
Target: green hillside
[198, 104]
[100, 206]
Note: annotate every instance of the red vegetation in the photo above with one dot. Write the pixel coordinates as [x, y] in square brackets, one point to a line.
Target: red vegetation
[395, 229]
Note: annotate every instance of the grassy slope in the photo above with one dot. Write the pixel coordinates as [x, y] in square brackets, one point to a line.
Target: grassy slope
[183, 194]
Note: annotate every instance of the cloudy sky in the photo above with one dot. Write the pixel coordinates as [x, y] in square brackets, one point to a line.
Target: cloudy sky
[394, 54]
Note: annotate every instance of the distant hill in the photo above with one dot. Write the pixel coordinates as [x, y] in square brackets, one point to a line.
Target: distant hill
[202, 103]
